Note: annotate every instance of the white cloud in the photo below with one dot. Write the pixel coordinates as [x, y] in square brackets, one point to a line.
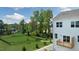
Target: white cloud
[15, 18]
[68, 8]
[27, 20]
[17, 8]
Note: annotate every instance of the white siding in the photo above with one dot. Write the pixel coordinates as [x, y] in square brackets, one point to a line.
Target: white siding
[66, 30]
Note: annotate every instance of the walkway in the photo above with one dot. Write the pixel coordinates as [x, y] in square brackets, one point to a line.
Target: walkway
[46, 48]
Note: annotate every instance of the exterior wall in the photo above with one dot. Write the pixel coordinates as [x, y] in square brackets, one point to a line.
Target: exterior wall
[65, 30]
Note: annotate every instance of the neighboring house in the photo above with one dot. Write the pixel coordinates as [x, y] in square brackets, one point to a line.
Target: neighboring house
[13, 30]
[66, 31]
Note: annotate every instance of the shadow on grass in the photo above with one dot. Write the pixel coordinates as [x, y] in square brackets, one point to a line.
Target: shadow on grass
[5, 41]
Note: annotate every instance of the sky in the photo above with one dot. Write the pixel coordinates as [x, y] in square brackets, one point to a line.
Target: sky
[11, 15]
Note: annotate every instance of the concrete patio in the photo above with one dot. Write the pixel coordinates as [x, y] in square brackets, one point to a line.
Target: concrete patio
[46, 48]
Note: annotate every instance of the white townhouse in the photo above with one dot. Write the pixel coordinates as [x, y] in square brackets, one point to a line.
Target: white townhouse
[66, 31]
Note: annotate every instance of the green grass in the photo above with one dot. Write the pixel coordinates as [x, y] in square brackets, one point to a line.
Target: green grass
[18, 41]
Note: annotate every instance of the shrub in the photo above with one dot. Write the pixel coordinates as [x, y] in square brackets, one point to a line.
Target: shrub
[28, 33]
[24, 48]
[44, 35]
[41, 35]
[45, 43]
[8, 32]
[50, 41]
[37, 46]
[51, 35]
[38, 34]
[24, 31]
[33, 33]
[46, 39]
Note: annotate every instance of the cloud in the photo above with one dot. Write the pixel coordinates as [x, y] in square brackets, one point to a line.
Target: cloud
[68, 8]
[17, 8]
[27, 20]
[15, 18]
[8, 21]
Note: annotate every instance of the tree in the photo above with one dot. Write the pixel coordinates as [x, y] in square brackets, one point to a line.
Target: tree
[33, 23]
[1, 27]
[49, 16]
[22, 26]
[41, 21]
[15, 26]
[29, 28]
[36, 18]
[6, 28]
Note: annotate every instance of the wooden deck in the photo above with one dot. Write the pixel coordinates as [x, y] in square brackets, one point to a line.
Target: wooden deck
[66, 44]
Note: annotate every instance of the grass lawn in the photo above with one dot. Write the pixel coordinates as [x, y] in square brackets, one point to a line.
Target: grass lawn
[18, 41]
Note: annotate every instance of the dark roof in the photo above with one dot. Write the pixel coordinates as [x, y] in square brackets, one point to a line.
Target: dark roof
[67, 14]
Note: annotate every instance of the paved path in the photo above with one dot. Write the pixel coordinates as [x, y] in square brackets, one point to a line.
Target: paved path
[46, 48]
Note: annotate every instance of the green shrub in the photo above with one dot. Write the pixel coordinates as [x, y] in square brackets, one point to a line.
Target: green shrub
[37, 46]
[24, 48]
[45, 43]
[33, 33]
[8, 32]
[50, 41]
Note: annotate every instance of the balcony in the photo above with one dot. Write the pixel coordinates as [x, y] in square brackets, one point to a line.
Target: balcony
[66, 44]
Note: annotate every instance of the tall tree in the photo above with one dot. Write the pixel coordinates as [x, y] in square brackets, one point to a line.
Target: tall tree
[33, 23]
[22, 24]
[6, 28]
[42, 21]
[49, 16]
[36, 18]
[1, 27]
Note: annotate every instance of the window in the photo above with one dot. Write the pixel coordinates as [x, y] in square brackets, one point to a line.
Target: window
[66, 38]
[59, 24]
[77, 23]
[72, 24]
[56, 36]
[78, 38]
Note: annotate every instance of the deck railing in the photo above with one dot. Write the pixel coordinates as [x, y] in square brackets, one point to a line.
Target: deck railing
[66, 44]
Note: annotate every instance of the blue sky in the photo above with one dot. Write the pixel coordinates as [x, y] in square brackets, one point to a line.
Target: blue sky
[16, 14]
